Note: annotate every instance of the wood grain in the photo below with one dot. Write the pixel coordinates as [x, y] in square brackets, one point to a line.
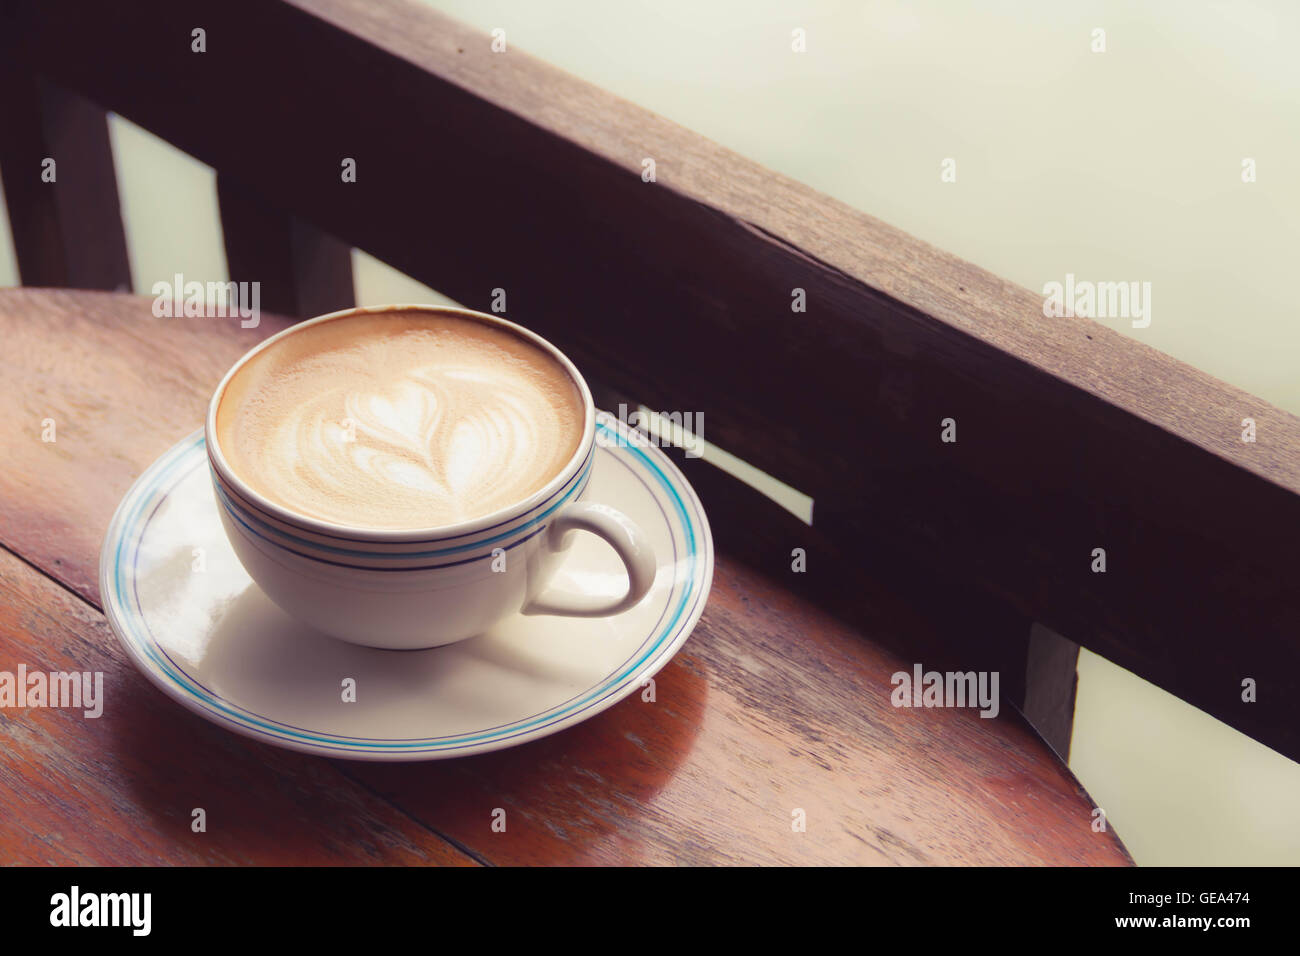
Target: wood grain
[773, 708]
[774, 705]
[1071, 437]
[121, 789]
[120, 387]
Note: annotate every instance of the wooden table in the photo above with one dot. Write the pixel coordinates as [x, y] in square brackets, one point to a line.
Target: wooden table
[774, 705]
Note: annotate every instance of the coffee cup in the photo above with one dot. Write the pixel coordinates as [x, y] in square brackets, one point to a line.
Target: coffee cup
[405, 477]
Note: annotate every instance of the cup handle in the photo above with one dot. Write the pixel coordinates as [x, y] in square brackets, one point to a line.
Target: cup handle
[627, 540]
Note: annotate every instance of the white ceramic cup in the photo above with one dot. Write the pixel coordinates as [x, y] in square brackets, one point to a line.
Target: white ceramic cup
[424, 587]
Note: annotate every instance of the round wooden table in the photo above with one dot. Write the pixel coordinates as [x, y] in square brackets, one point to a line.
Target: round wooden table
[774, 712]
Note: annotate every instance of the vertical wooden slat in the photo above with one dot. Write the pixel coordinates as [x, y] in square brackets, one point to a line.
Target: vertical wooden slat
[1051, 684]
[67, 232]
[38, 246]
[302, 271]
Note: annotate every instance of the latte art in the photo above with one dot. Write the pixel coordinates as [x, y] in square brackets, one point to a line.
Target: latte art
[400, 421]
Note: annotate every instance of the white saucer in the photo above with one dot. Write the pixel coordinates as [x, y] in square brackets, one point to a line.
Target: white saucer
[193, 622]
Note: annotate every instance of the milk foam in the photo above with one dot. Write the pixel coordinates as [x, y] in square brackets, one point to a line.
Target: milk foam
[407, 420]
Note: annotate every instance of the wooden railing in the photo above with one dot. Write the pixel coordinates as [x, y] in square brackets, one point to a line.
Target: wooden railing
[478, 170]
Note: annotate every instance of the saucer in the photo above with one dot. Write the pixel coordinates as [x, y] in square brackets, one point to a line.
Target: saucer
[194, 623]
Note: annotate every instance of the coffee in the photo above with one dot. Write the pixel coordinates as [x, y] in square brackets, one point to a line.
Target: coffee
[400, 420]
